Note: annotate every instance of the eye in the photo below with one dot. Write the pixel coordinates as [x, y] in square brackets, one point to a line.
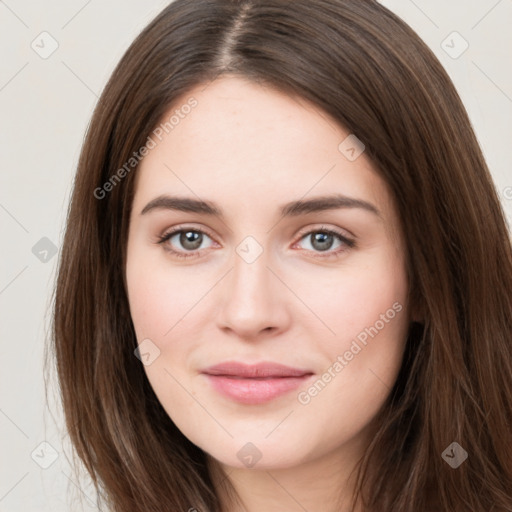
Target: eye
[190, 239]
[322, 240]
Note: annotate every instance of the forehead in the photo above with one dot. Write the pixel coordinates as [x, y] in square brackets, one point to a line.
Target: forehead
[251, 146]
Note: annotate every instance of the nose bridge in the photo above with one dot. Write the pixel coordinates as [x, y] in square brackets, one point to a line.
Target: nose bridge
[250, 279]
[252, 300]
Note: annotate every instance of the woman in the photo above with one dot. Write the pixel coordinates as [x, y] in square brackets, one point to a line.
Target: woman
[285, 280]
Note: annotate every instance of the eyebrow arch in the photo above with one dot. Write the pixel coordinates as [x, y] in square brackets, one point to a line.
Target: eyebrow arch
[291, 209]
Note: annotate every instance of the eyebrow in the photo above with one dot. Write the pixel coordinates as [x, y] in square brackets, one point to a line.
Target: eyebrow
[291, 209]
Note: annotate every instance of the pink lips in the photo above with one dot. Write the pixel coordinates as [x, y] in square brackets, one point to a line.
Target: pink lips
[255, 384]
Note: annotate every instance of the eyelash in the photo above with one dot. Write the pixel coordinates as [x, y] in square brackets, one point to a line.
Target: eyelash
[349, 243]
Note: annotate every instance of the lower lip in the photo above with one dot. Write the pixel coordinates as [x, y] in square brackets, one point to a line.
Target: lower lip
[255, 391]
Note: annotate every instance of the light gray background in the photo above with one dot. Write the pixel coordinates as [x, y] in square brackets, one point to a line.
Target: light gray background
[45, 106]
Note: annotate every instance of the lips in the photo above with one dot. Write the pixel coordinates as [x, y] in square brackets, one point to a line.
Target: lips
[255, 384]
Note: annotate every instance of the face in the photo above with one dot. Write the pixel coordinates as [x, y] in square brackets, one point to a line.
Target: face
[266, 277]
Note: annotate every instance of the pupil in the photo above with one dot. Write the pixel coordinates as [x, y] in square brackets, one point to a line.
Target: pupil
[322, 241]
[191, 240]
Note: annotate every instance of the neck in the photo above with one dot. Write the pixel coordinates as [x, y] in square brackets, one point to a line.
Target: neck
[326, 483]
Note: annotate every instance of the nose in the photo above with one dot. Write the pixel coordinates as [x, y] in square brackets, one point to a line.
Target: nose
[253, 301]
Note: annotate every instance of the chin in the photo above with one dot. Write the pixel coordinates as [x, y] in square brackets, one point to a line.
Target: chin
[257, 455]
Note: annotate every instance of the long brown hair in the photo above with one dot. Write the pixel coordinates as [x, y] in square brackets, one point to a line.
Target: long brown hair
[367, 69]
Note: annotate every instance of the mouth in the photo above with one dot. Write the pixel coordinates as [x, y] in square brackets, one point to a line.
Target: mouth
[255, 384]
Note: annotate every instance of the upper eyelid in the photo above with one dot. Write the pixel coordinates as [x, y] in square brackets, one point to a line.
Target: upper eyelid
[337, 230]
[178, 229]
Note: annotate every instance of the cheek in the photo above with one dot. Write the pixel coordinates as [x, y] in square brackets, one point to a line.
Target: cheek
[150, 305]
[367, 310]
[160, 296]
[162, 301]
[363, 297]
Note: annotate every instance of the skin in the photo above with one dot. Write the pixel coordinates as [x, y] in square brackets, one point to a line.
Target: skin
[250, 148]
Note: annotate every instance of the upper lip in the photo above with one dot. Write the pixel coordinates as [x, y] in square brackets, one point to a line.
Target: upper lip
[262, 370]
